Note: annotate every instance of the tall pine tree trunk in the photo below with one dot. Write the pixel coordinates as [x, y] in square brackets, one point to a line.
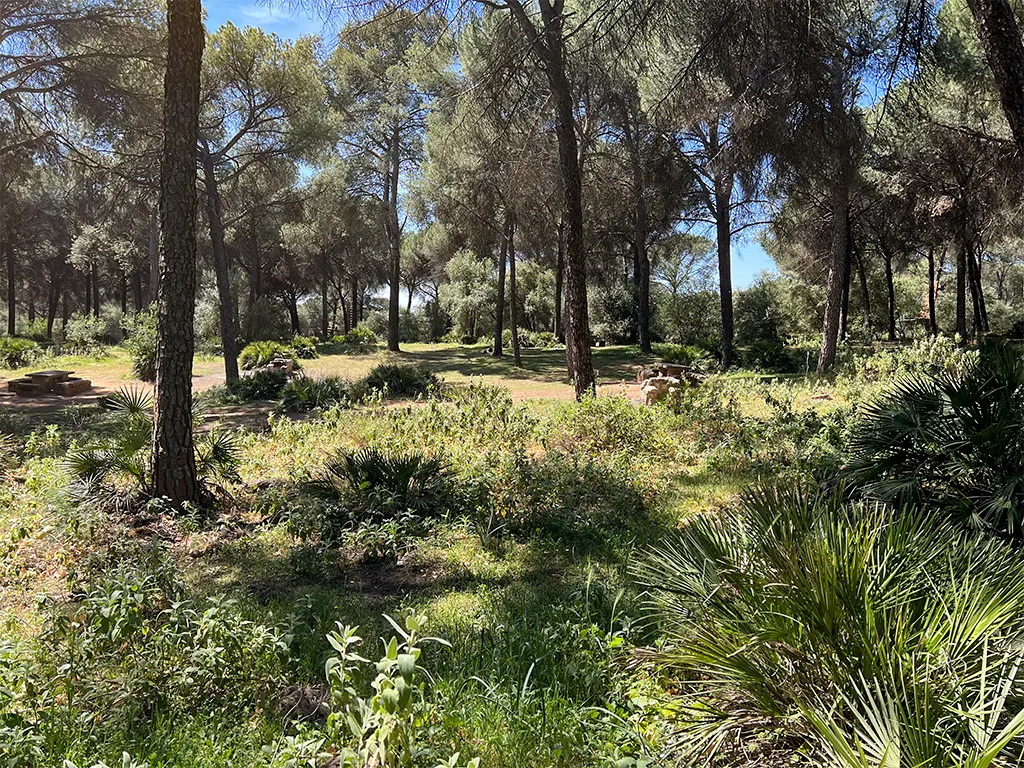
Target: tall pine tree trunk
[549, 45]
[12, 278]
[559, 275]
[723, 237]
[513, 301]
[933, 288]
[499, 309]
[961, 290]
[836, 286]
[95, 291]
[890, 294]
[220, 266]
[174, 461]
[394, 234]
[1000, 37]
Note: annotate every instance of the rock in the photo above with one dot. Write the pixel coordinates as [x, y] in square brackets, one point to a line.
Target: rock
[692, 376]
[657, 388]
[304, 702]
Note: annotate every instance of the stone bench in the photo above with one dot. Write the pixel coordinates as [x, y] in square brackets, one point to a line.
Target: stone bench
[26, 388]
[73, 387]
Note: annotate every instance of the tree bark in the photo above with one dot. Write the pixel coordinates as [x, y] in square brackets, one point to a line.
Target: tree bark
[836, 276]
[324, 309]
[549, 46]
[56, 283]
[844, 325]
[512, 311]
[88, 290]
[220, 265]
[499, 310]
[394, 234]
[95, 291]
[355, 303]
[890, 293]
[137, 290]
[961, 291]
[174, 461]
[723, 237]
[559, 276]
[865, 294]
[933, 325]
[1004, 51]
[12, 277]
[154, 254]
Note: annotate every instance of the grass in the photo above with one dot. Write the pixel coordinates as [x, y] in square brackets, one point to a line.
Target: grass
[541, 614]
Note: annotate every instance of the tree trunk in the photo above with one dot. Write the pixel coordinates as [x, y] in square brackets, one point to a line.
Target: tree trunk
[961, 291]
[723, 236]
[95, 291]
[512, 311]
[847, 277]
[933, 288]
[1004, 51]
[355, 302]
[890, 293]
[499, 310]
[865, 294]
[8, 246]
[549, 45]
[220, 266]
[324, 309]
[56, 283]
[137, 290]
[174, 461]
[154, 254]
[394, 239]
[559, 275]
[124, 294]
[88, 290]
[836, 276]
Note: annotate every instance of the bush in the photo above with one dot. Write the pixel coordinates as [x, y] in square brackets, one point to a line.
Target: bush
[373, 488]
[304, 347]
[260, 353]
[358, 341]
[260, 385]
[83, 334]
[17, 353]
[410, 380]
[685, 354]
[843, 629]
[774, 357]
[304, 394]
[950, 442]
[116, 469]
[928, 356]
[141, 343]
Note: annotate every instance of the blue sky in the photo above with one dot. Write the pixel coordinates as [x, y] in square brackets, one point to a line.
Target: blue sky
[749, 259]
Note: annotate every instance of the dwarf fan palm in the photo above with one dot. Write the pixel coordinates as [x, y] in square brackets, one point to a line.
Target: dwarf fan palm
[952, 442]
[849, 627]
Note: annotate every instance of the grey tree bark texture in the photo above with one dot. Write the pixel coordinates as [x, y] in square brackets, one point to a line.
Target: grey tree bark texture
[174, 463]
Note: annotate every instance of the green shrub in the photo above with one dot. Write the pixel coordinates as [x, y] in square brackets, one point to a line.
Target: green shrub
[853, 631]
[304, 394]
[358, 341]
[261, 353]
[932, 355]
[36, 330]
[773, 356]
[304, 347]
[685, 354]
[83, 334]
[377, 485]
[118, 469]
[17, 353]
[140, 329]
[397, 379]
[950, 442]
[259, 385]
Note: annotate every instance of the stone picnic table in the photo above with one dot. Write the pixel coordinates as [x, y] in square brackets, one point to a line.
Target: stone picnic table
[48, 382]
